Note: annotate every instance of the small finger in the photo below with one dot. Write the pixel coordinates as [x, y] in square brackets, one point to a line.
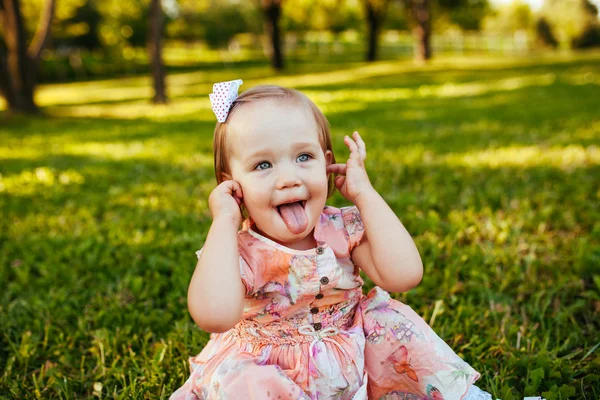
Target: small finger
[237, 191]
[362, 147]
[336, 169]
[339, 181]
[354, 152]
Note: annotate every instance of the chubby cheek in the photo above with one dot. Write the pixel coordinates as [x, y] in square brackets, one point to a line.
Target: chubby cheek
[256, 203]
[320, 186]
[319, 198]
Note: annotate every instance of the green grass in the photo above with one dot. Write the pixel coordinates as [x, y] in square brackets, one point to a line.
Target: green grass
[492, 164]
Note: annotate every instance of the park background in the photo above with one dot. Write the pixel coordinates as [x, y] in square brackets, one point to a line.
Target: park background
[482, 125]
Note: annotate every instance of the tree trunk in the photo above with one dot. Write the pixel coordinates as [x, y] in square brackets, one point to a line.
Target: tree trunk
[17, 69]
[6, 89]
[155, 22]
[421, 10]
[373, 28]
[20, 69]
[375, 13]
[43, 31]
[272, 12]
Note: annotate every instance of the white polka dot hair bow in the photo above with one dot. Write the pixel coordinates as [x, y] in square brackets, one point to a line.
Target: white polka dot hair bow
[223, 95]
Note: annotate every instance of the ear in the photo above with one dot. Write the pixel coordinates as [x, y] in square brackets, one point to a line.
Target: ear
[328, 157]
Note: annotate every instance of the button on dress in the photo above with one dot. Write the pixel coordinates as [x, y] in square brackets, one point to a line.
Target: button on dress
[308, 331]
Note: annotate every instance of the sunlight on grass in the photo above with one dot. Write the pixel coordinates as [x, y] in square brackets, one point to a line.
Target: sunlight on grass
[181, 107]
[200, 108]
[154, 149]
[115, 90]
[114, 150]
[565, 158]
[21, 153]
[32, 181]
[342, 107]
[586, 78]
[152, 196]
[446, 90]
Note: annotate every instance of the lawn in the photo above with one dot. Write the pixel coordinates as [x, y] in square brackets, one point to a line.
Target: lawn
[492, 164]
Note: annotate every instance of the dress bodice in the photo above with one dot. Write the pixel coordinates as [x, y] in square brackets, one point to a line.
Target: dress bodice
[283, 283]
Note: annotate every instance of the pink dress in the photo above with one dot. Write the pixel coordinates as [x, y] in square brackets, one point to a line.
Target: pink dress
[308, 332]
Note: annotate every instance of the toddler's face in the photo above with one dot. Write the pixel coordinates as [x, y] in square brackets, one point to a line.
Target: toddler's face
[276, 156]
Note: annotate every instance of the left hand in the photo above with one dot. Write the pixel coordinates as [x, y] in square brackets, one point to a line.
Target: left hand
[353, 180]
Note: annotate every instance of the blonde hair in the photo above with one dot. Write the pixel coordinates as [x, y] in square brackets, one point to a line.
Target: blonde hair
[262, 92]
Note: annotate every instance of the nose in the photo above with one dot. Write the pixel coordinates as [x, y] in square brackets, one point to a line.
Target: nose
[288, 177]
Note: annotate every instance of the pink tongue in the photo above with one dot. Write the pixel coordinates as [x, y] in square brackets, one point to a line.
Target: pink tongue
[294, 217]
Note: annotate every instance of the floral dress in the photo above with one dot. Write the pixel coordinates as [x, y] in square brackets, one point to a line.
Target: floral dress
[308, 331]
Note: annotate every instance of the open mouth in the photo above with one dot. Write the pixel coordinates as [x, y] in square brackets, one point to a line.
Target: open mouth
[301, 202]
[294, 215]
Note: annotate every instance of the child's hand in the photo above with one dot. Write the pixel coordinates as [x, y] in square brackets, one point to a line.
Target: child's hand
[225, 201]
[353, 179]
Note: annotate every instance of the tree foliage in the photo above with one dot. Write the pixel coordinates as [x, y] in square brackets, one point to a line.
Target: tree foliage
[572, 19]
[544, 34]
[466, 14]
[510, 18]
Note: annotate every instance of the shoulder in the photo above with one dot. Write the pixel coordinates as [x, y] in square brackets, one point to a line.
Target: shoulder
[339, 228]
[347, 218]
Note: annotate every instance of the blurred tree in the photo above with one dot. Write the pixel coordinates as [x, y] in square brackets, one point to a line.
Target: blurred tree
[272, 13]
[77, 26]
[17, 71]
[123, 24]
[222, 24]
[570, 19]
[509, 18]
[421, 15]
[215, 22]
[75, 22]
[544, 35]
[186, 21]
[467, 14]
[590, 37]
[337, 16]
[397, 18]
[375, 11]
[300, 17]
[155, 28]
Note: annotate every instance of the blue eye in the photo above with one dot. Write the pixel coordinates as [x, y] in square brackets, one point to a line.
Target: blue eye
[303, 157]
[263, 165]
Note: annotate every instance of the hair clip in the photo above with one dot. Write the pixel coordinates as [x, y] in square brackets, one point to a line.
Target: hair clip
[223, 95]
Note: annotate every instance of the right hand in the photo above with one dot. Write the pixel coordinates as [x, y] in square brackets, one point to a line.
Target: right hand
[225, 201]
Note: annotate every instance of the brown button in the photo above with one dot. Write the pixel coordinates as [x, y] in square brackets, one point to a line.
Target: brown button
[319, 250]
[314, 310]
[317, 326]
[319, 296]
[324, 280]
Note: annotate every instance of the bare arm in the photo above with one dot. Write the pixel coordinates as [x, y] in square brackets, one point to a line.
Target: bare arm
[388, 256]
[216, 292]
[387, 252]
